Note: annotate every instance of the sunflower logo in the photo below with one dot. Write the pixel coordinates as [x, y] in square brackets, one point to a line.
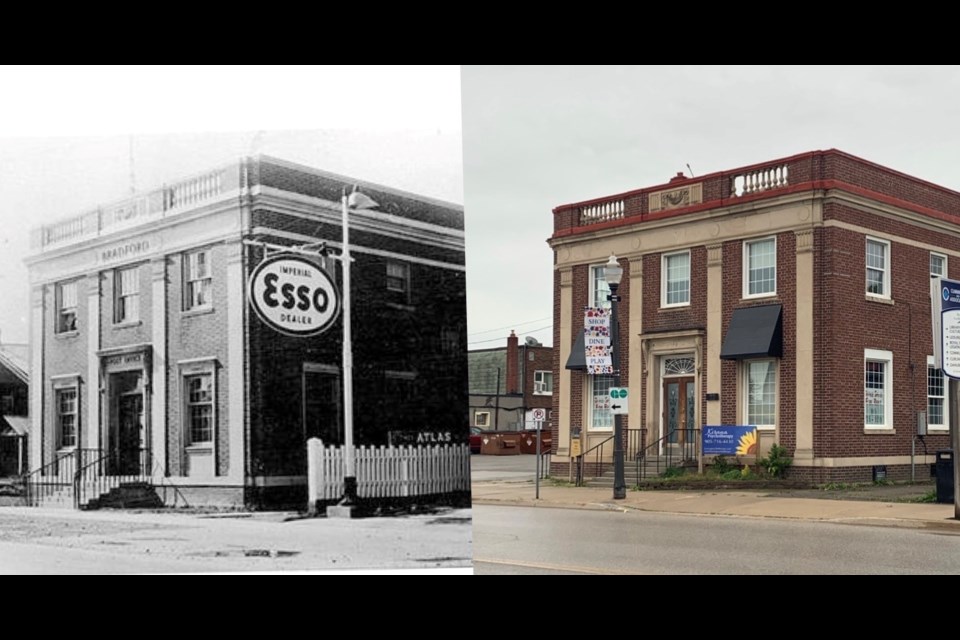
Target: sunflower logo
[748, 444]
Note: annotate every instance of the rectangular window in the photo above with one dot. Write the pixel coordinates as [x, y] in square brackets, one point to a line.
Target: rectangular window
[878, 268]
[761, 393]
[66, 307]
[601, 416]
[937, 406]
[543, 383]
[66, 417]
[938, 265]
[398, 277]
[7, 404]
[760, 268]
[676, 279]
[599, 289]
[127, 295]
[481, 419]
[878, 389]
[197, 289]
[199, 392]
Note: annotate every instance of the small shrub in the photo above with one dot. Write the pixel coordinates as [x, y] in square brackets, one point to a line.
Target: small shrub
[777, 462]
[672, 472]
[721, 465]
[745, 472]
[732, 474]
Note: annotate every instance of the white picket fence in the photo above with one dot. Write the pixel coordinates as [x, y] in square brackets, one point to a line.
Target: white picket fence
[389, 472]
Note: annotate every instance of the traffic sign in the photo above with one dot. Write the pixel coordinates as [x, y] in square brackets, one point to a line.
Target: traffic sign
[618, 401]
[539, 415]
[950, 327]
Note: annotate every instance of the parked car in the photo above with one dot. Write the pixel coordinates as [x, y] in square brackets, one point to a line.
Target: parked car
[475, 440]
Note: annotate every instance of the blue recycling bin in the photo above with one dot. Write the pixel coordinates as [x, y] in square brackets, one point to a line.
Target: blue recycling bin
[945, 476]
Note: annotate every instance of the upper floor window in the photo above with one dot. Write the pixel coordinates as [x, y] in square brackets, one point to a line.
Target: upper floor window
[199, 280]
[878, 268]
[127, 297]
[66, 307]
[543, 383]
[760, 268]
[398, 279]
[938, 265]
[676, 279]
[599, 289]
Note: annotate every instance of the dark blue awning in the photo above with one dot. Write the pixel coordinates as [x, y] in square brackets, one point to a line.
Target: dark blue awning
[754, 332]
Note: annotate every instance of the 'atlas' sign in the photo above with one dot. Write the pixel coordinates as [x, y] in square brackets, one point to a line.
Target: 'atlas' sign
[294, 296]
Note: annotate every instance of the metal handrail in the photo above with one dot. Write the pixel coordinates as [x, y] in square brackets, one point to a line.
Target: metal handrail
[599, 459]
[688, 442]
[104, 478]
[43, 488]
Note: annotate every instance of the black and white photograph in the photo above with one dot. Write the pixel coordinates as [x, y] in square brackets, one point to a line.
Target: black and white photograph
[233, 339]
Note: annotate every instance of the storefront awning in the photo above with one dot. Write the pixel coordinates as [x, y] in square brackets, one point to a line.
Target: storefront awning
[754, 332]
[578, 357]
[14, 426]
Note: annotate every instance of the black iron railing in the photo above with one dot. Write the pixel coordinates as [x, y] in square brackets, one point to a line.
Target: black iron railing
[634, 444]
[108, 471]
[678, 447]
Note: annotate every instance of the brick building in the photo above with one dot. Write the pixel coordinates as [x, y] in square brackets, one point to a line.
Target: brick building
[147, 354]
[792, 295]
[508, 383]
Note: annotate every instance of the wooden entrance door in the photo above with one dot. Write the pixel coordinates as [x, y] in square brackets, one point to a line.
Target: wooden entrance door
[679, 404]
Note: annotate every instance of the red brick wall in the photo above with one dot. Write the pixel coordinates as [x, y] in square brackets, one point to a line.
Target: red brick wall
[853, 323]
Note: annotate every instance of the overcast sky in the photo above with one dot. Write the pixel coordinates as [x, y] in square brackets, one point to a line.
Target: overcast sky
[538, 137]
[66, 134]
[533, 138]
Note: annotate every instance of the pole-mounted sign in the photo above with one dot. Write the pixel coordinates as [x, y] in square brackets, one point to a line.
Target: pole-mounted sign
[293, 295]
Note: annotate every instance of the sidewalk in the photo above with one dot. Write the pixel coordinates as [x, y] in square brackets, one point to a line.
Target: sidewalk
[757, 504]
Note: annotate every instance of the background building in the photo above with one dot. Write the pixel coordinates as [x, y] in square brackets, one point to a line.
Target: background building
[792, 295]
[508, 383]
[147, 357]
[14, 421]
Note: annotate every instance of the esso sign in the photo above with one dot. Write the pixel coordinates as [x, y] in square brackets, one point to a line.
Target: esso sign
[294, 296]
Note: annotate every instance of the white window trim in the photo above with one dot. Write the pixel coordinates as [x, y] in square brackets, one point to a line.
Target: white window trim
[117, 295]
[745, 393]
[887, 270]
[589, 409]
[878, 355]
[663, 279]
[945, 427]
[188, 306]
[73, 386]
[476, 422]
[535, 383]
[593, 285]
[192, 367]
[746, 268]
[946, 270]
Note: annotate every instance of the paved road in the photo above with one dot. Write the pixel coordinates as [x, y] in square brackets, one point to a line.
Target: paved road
[55, 541]
[542, 540]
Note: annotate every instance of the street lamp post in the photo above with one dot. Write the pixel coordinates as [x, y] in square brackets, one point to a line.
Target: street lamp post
[612, 272]
[355, 200]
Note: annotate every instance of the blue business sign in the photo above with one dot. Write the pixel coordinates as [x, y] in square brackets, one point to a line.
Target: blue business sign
[950, 327]
[729, 440]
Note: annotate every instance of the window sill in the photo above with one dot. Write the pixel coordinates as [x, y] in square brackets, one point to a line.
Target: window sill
[206, 447]
[879, 431]
[66, 335]
[880, 299]
[542, 394]
[127, 325]
[66, 450]
[759, 296]
[199, 311]
[675, 307]
[938, 431]
[400, 307]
